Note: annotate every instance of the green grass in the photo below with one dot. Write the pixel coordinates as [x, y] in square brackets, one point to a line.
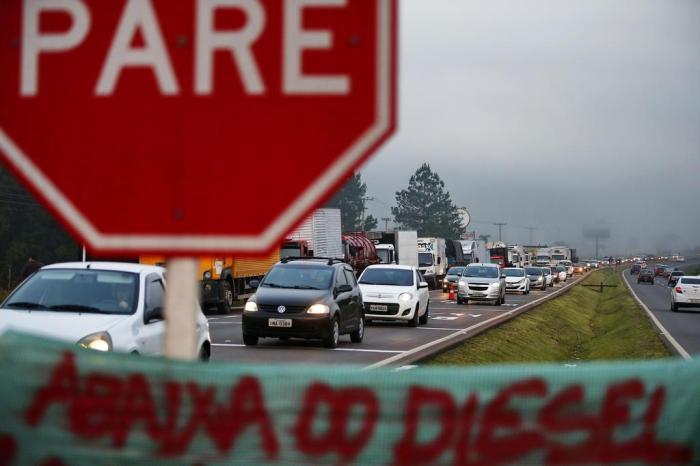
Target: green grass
[581, 325]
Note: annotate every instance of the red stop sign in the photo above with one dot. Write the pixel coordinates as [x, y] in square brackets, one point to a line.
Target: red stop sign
[192, 126]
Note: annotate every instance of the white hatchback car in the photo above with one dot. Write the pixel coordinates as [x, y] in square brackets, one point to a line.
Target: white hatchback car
[105, 306]
[517, 281]
[395, 292]
[686, 293]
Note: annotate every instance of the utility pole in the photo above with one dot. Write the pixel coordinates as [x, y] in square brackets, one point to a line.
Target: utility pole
[500, 225]
[531, 229]
[364, 200]
[386, 223]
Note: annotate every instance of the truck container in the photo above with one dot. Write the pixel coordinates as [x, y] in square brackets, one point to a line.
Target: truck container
[475, 251]
[359, 251]
[518, 257]
[432, 259]
[319, 235]
[455, 253]
[396, 247]
[225, 279]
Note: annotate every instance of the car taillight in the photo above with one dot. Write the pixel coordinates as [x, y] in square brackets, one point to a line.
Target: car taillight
[679, 289]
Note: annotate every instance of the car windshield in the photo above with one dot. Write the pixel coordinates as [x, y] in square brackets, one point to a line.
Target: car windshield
[384, 256]
[302, 277]
[425, 259]
[558, 257]
[514, 272]
[479, 271]
[455, 271]
[533, 271]
[387, 276]
[78, 290]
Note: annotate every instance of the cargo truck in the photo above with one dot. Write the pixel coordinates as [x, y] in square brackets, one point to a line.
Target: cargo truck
[432, 260]
[319, 235]
[475, 251]
[359, 251]
[396, 247]
[225, 279]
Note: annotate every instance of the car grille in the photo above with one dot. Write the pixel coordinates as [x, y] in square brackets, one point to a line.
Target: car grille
[272, 308]
[392, 309]
[478, 287]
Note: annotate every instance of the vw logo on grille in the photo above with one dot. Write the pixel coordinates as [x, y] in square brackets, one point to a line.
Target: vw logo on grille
[281, 309]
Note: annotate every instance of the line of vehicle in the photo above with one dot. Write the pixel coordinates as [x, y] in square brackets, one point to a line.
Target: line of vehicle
[666, 334]
[458, 333]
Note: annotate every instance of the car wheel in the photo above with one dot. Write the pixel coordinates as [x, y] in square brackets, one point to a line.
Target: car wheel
[674, 307]
[224, 307]
[250, 340]
[414, 321]
[331, 341]
[424, 318]
[204, 353]
[503, 298]
[359, 333]
[544, 287]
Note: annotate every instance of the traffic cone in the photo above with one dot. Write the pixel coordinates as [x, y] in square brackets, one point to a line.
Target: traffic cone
[451, 297]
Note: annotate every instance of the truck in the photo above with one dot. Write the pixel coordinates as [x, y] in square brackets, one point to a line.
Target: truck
[319, 235]
[359, 251]
[518, 257]
[455, 253]
[498, 253]
[550, 256]
[225, 279]
[475, 251]
[432, 259]
[396, 247]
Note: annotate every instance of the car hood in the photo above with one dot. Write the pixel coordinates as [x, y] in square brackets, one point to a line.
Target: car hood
[481, 280]
[67, 326]
[535, 277]
[386, 291]
[290, 297]
[514, 279]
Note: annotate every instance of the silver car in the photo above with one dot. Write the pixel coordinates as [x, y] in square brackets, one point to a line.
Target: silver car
[482, 282]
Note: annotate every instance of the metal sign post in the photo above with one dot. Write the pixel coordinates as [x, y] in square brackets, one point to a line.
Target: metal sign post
[180, 309]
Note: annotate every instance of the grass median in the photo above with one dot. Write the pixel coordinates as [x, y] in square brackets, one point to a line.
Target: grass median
[581, 325]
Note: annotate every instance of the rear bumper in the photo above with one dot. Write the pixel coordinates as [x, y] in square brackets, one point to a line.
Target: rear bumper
[303, 325]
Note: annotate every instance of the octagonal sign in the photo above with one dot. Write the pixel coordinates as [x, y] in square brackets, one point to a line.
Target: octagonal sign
[192, 126]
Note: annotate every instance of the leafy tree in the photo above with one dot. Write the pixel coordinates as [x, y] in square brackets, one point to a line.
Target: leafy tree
[427, 207]
[26, 228]
[350, 201]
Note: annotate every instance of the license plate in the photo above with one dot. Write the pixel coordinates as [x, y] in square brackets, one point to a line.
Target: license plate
[694, 301]
[279, 322]
[378, 307]
[477, 293]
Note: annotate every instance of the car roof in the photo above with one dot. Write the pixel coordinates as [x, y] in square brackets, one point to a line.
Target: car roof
[391, 266]
[113, 266]
[482, 264]
[309, 263]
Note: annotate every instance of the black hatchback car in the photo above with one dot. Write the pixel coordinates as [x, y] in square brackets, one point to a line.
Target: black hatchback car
[310, 298]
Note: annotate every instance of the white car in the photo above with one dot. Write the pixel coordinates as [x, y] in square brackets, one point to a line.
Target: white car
[686, 293]
[517, 280]
[548, 275]
[561, 272]
[569, 266]
[104, 306]
[395, 292]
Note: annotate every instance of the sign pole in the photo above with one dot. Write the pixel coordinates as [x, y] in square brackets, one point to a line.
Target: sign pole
[180, 308]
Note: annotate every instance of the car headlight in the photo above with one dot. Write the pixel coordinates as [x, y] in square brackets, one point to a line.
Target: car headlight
[207, 275]
[250, 306]
[462, 283]
[405, 297]
[318, 309]
[100, 341]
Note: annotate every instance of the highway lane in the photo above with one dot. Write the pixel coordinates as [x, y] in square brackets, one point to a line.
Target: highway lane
[383, 340]
[684, 325]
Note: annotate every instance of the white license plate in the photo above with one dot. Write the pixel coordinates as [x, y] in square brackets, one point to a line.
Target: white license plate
[279, 322]
[694, 301]
[478, 293]
[378, 307]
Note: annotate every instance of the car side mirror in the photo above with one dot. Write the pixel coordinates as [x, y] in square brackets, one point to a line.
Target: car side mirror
[153, 314]
[254, 284]
[423, 285]
[503, 276]
[343, 289]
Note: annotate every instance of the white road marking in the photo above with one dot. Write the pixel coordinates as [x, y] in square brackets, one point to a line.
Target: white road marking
[360, 350]
[475, 315]
[458, 314]
[407, 367]
[656, 321]
[444, 318]
[438, 328]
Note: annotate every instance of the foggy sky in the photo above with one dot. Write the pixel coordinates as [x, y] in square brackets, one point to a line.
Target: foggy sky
[555, 115]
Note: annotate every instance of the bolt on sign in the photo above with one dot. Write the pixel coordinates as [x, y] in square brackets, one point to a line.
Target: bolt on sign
[192, 126]
[61, 405]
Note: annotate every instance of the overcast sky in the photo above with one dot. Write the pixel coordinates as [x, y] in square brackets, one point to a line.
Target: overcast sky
[553, 114]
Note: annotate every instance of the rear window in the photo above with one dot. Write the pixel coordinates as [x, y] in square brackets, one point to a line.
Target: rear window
[689, 281]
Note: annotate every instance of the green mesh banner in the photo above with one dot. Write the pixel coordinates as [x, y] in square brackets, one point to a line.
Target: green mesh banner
[64, 406]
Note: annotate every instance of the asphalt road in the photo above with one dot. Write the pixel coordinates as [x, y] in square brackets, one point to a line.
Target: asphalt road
[382, 341]
[684, 325]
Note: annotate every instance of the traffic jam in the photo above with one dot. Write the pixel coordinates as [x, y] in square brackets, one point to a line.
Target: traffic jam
[372, 296]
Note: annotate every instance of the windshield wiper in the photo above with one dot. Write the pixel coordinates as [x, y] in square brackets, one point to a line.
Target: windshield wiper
[303, 287]
[274, 285]
[77, 307]
[26, 304]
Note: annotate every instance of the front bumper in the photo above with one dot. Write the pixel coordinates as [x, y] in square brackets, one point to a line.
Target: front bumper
[516, 287]
[487, 295]
[303, 325]
[396, 310]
